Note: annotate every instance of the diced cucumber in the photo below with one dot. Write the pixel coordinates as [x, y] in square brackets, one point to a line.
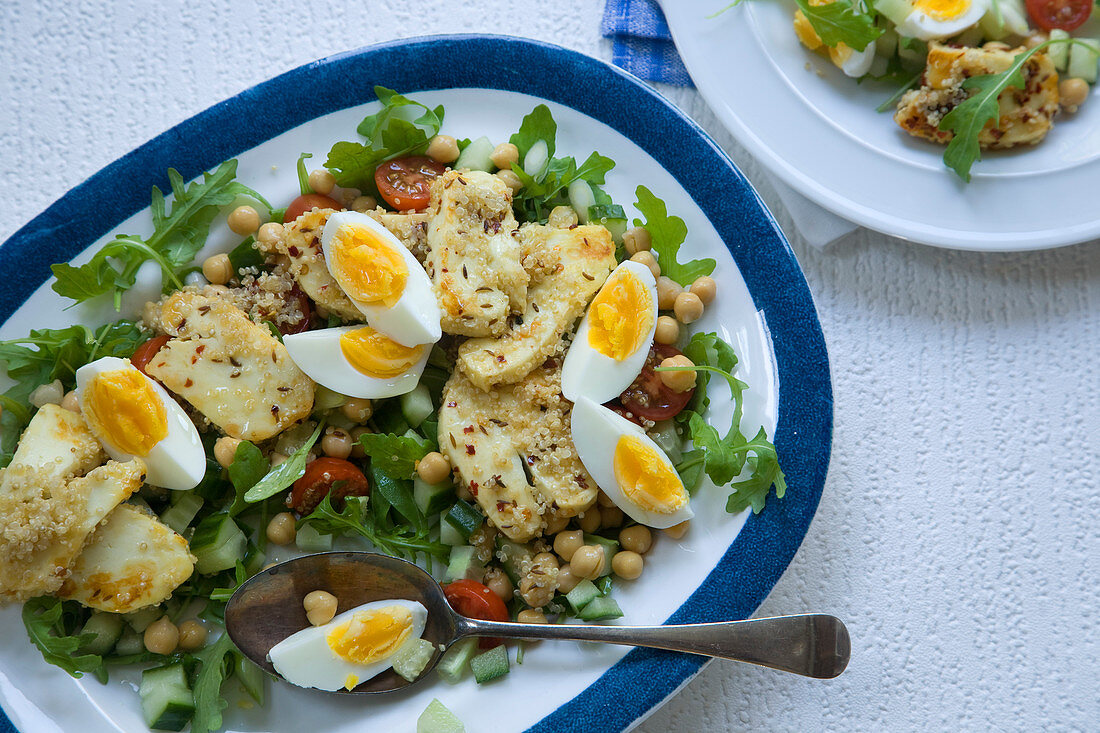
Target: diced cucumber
[436, 718]
[140, 620]
[490, 665]
[432, 498]
[887, 44]
[416, 405]
[252, 677]
[912, 50]
[610, 216]
[512, 557]
[582, 594]
[183, 510]
[310, 540]
[413, 656]
[538, 155]
[1015, 17]
[454, 661]
[666, 436]
[131, 642]
[1082, 59]
[476, 156]
[218, 543]
[894, 10]
[464, 564]
[449, 535]
[972, 36]
[166, 699]
[603, 607]
[1059, 52]
[465, 518]
[107, 628]
[326, 399]
[604, 584]
[610, 547]
[581, 199]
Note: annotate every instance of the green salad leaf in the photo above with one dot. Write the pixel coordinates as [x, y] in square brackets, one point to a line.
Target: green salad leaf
[841, 22]
[668, 234]
[285, 474]
[394, 454]
[48, 626]
[207, 688]
[400, 540]
[249, 467]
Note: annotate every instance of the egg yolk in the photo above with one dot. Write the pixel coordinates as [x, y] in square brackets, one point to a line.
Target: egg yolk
[942, 9]
[377, 355]
[367, 267]
[620, 317]
[645, 479]
[370, 636]
[123, 407]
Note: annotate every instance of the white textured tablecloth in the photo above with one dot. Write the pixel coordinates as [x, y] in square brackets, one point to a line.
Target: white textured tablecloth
[958, 535]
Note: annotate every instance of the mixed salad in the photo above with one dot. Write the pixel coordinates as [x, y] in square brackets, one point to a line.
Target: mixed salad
[453, 351]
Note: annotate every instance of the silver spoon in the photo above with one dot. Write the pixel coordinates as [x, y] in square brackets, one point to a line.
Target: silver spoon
[268, 608]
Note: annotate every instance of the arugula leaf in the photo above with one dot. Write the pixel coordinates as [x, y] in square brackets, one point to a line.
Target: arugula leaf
[303, 175]
[44, 620]
[248, 468]
[538, 125]
[668, 233]
[711, 352]
[394, 454]
[399, 495]
[207, 687]
[245, 255]
[400, 541]
[840, 22]
[285, 474]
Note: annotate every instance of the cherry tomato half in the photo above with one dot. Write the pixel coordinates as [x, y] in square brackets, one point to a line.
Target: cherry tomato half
[406, 182]
[308, 202]
[145, 353]
[650, 398]
[1063, 14]
[476, 600]
[323, 476]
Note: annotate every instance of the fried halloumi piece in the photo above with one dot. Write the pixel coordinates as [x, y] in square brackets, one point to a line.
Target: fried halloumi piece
[567, 267]
[1026, 114]
[131, 561]
[230, 369]
[473, 255]
[512, 448]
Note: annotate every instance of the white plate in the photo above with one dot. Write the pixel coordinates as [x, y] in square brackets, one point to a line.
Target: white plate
[818, 131]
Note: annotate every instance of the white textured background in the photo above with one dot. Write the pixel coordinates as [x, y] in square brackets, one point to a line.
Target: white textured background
[958, 533]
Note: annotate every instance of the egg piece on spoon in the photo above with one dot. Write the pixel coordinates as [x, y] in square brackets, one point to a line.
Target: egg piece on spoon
[382, 278]
[133, 416]
[358, 361]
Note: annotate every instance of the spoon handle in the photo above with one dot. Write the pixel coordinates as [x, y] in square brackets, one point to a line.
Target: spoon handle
[813, 645]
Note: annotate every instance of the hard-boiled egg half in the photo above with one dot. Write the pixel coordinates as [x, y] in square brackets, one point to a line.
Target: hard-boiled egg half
[852, 62]
[382, 278]
[133, 416]
[936, 19]
[358, 361]
[352, 648]
[630, 468]
[614, 337]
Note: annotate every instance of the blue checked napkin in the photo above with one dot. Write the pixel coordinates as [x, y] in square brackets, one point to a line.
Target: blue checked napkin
[642, 44]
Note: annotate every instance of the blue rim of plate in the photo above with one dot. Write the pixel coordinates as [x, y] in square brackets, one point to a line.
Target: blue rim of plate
[762, 550]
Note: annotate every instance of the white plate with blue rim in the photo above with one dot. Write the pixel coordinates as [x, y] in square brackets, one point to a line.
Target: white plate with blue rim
[722, 569]
[818, 131]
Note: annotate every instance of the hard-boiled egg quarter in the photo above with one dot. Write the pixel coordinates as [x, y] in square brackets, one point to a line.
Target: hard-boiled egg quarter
[358, 361]
[614, 337]
[133, 416]
[628, 466]
[382, 278]
[354, 647]
[936, 19]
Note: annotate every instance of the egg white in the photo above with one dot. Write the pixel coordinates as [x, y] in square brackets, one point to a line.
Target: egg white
[305, 658]
[588, 373]
[176, 462]
[318, 354]
[596, 431]
[852, 62]
[415, 318]
[920, 24]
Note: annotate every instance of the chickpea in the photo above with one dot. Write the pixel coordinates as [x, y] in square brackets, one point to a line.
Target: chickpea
[270, 233]
[531, 616]
[225, 450]
[627, 565]
[357, 447]
[320, 606]
[636, 539]
[434, 468]
[244, 220]
[562, 217]
[566, 580]
[321, 181]
[668, 330]
[1035, 39]
[364, 203]
[1074, 92]
[588, 562]
[192, 635]
[646, 258]
[443, 149]
[667, 290]
[589, 521]
[357, 410]
[678, 381]
[637, 240]
[688, 307]
[510, 179]
[567, 543]
[535, 594]
[217, 269]
[70, 402]
[705, 288]
[504, 156]
[677, 531]
[545, 561]
[162, 636]
[554, 523]
[611, 516]
[281, 529]
[336, 443]
[498, 581]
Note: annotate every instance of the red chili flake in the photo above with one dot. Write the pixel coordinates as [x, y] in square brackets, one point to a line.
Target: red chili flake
[473, 488]
[468, 429]
[188, 383]
[470, 450]
[199, 349]
[452, 403]
[502, 505]
[293, 251]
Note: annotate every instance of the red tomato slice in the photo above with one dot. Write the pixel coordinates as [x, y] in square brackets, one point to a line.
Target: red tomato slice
[405, 183]
[476, 600]
[323, 476]
[308, 202]
[145, 353]
[1063, 14]
[650, 398]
